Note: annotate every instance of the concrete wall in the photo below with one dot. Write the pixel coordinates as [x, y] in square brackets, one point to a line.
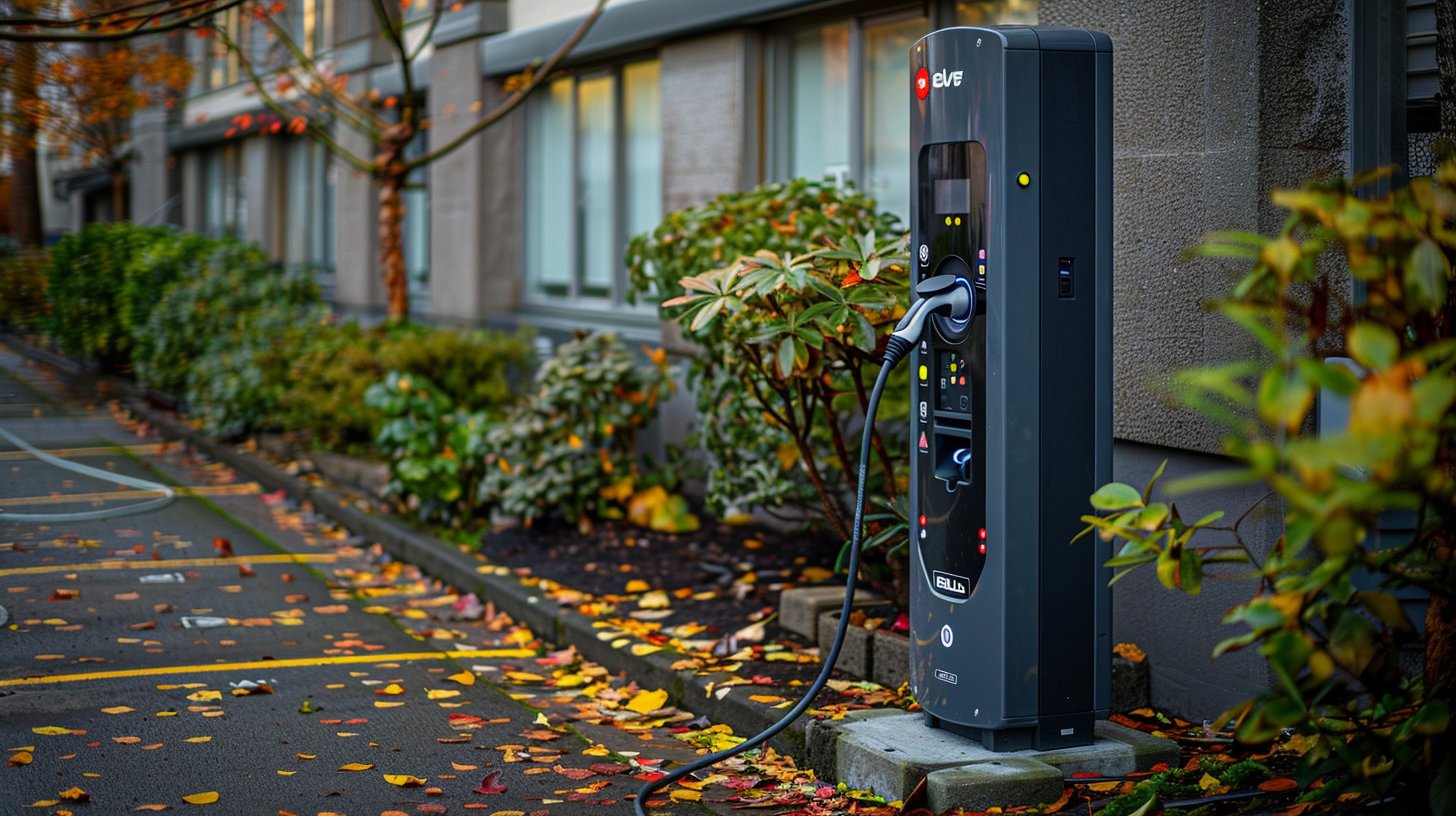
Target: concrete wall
[475, 195]
[358, 285]
[527, 13]
[1214, 105]
[153, 180]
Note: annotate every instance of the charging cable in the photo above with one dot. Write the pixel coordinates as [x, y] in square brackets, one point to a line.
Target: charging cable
[945, 295]
[164, 497]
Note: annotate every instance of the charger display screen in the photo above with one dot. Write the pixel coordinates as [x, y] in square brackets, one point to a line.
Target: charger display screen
[952, 196]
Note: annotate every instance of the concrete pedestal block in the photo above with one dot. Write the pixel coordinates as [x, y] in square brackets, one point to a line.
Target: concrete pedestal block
[857, 655]
[996, 783]
[800, 608]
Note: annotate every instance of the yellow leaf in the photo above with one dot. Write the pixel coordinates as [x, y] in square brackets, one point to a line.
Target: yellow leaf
[387, 704]
[524, 677]
[50, 731]
[441, 694]
[1209, 783]
[356, 766]
[75, 795]
[404, 780]
[685, 796]
[21, 758]
[307, 756]
[637, 585]
[391, 690]
[464, 678]
[788, 455]
[646, 702]
[118, 710]
[205, 696]
[204, 798]
[285, 773]
[641, 649]
[45, 803]
[654, 600]
[198, 739]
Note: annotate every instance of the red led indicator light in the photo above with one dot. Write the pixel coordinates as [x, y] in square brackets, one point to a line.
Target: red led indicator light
[982, 534]
[922, 521]
[983, 548]
[922, 83]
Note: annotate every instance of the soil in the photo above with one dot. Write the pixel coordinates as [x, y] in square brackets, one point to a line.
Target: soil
[734, 573]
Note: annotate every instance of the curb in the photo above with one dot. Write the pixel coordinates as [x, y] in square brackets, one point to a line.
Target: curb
[472, 573]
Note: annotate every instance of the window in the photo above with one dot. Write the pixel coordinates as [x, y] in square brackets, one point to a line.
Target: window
[309, 230]
[593, 177]
[840, 97]
[224, 209]
[312, 22]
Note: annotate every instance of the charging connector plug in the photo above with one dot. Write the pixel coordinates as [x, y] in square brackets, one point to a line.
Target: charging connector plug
[946, 295]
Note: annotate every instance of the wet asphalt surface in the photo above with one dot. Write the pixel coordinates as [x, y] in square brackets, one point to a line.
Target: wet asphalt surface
[104, 689]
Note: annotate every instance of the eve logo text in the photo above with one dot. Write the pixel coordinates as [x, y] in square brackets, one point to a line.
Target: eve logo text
[946, 79]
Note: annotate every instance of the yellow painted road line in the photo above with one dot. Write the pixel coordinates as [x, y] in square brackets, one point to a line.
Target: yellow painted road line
[241, 489]
[149, 448]
[116, 563]
[290, 663]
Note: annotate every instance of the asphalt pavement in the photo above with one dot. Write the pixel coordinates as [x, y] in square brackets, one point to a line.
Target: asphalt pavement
[233, 653]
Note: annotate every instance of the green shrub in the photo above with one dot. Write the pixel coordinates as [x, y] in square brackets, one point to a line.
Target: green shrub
[1324, 608]
[569, 452]
[790, 289]
[91, 274]
[333, 365]
[768, 443]
[23, 289]
[213, 337]
[436, 453]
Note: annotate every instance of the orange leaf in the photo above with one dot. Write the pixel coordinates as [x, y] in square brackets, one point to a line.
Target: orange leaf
[1278, 784]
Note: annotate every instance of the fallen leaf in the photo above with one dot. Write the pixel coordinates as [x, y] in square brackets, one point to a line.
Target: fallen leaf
[126, 740]
[1278, 784]
[391, 690]
[460, 766]
[75, 795]
[491, 784]
[646, 702]
[198, 739]
[356, 766]
[574, 774]
[22, 758]
[118, 710]
[204, 798]
[404, 780]
[51, 731]
[151, 808]
[285, 773]
[307, 756]
[441, 694]
[464, 678]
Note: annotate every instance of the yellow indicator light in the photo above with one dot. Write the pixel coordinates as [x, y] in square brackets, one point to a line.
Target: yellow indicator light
[1024, 180]
[952, 368]
[981, 269]
[924, 373]
[947, 220]
[958, 221]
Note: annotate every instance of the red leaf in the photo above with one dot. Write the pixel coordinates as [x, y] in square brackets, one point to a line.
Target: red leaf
[491, 784]
[576, 774]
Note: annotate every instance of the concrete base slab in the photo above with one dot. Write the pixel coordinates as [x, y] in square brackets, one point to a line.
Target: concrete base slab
[891, 754]
[996, 783]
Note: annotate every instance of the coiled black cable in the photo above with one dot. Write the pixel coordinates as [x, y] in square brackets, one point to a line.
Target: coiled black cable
[893, 355]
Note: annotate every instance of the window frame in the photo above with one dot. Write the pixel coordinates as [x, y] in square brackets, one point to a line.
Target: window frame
[572, 299]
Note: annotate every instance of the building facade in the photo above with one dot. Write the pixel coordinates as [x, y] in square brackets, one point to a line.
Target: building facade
[666, 103]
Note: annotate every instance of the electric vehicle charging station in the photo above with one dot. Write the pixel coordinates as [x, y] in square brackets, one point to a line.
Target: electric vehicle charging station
[1011, 429]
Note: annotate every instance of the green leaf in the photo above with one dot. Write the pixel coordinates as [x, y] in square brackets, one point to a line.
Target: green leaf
[1352, 642]
[1387, 609]
[1433, 396]
[1284, 398]
[786, 357]
[1190, 571]
[1157, 474]
[1168, 567]
[1373, 345]
[1426, 271]
[1116, 496]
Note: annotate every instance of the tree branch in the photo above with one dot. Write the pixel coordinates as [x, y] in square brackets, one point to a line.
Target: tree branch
[518, 96]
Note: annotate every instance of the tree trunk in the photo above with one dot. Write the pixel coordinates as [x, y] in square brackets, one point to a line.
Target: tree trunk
[118, 194]
[391, 246]
[25, 214]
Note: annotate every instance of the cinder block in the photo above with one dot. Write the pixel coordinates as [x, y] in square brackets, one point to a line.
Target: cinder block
[1130, 685]
[892, 659]
[821, 740]
[857, 655]
[1004, 782]
[800, 608]
[1147, 749]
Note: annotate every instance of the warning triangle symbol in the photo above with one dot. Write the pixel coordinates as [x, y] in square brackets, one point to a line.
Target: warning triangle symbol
[924, 445]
